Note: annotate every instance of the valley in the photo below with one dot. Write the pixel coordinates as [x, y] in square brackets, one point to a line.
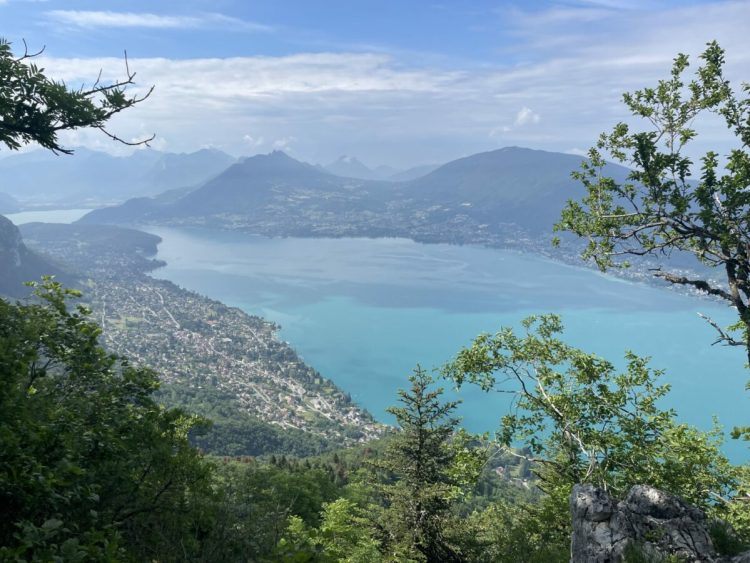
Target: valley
[494, 207]
[508, 199]
[194, 341]
[374, 282]
[365, 312]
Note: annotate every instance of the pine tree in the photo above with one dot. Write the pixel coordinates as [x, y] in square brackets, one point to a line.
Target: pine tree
[420, 457]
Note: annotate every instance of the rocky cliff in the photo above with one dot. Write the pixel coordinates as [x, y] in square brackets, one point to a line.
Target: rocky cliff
[649, 523]
[18, 264]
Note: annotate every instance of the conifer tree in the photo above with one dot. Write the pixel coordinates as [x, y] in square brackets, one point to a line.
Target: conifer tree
[420, 457]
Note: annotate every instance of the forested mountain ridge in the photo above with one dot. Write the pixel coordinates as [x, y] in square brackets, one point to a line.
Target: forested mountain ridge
[497, 197]
[273, 192]
[262, 182]
[517, 185]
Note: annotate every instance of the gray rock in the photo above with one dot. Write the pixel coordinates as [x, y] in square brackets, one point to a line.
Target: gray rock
[19, 264]
[10, 244]
[655, 523]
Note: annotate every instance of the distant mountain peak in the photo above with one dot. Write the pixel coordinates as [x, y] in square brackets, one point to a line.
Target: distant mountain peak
[277, 157]
[274, 164]
[351, 167]
[208, 150]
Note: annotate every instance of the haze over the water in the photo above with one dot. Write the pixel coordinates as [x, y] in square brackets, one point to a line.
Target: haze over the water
[393, 83]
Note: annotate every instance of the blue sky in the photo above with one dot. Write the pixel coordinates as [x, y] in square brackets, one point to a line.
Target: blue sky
[392, 82]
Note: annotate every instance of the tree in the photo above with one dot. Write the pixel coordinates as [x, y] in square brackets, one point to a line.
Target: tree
[35, 108]
[259, 500]
[421, 458]
[344, 535]
[586, 422]
[661, 209]
[91, 466]
[521, 532]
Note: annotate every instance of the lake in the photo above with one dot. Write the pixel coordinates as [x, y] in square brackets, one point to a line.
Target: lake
[364, 312]
[47, 216]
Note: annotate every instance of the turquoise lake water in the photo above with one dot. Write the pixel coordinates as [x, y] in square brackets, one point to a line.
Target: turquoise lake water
[364, 312]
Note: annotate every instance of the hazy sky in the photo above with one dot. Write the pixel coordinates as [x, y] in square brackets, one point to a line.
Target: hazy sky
[396, 82]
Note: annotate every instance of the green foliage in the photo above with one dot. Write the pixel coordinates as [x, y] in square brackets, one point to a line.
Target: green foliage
[404, 498]
[233, 432]
[420, 453]
[344, 535]
[505, 478]
[660, 208]
[520, 532]
[90, 464]
[34, 108]
[422, 458]
[255, 504]
[725, 539]
[635, 553]
[585, 421]
[742, 432]
[737, 512]
[469, 459]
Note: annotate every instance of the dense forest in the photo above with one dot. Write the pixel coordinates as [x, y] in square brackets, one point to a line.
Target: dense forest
[94, 466]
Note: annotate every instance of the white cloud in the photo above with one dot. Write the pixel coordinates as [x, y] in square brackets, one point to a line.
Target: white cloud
[526, 116]
[252, 141]
[207, 81]
[108, 19]
[284, 144]
[376, 107]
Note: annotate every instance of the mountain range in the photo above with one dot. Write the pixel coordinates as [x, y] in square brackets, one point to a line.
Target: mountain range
[352, 167]
[92, 178]
[489, 198]
[509, 197]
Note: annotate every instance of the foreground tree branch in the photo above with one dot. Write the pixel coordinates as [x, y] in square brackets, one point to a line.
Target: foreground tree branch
[661, 208]
[35, 108]
[701, 285]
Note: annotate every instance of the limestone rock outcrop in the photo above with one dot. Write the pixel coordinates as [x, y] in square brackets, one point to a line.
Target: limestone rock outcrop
[18, 264]
[648, 521]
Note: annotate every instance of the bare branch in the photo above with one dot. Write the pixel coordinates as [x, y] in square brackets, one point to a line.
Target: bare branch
[143, 142]
[27, 55]
[724, 337]
[702, 285]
